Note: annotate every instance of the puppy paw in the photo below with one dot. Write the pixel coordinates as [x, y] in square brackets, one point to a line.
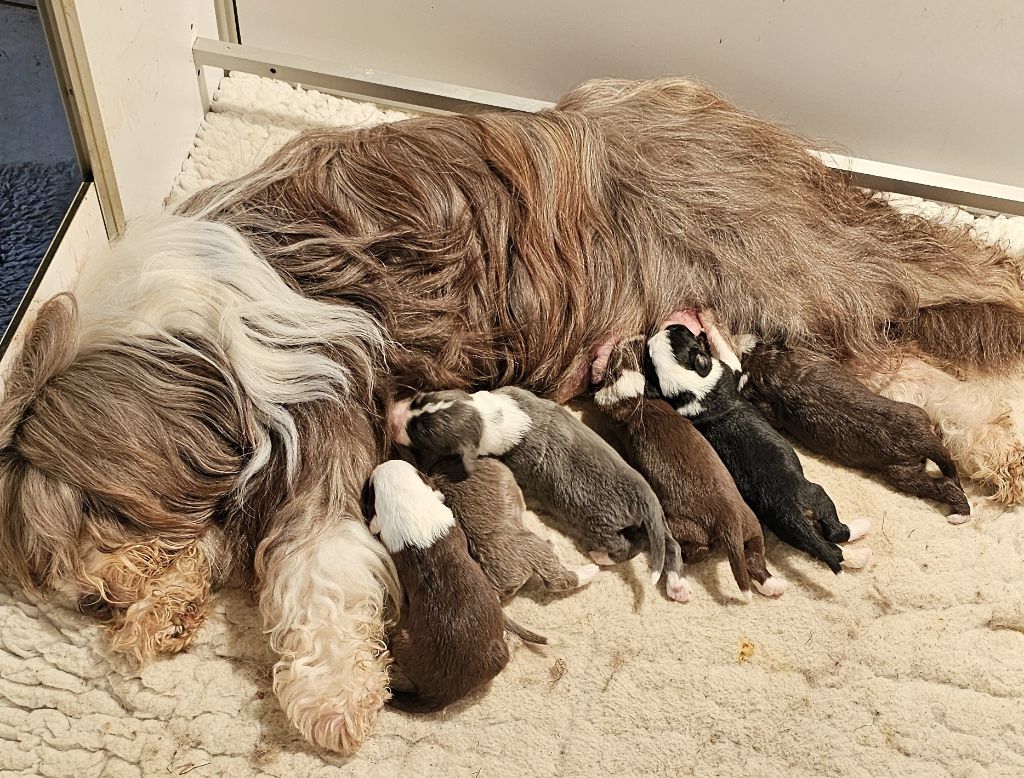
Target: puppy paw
[585, 574]
[746, 597]
[601, 558]
[773, 586]
[958, 518]
[856, 558]
[678, 588]
[858, 529]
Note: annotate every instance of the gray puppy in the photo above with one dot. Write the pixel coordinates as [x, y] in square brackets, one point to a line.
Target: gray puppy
[489, 505]
[561, 465]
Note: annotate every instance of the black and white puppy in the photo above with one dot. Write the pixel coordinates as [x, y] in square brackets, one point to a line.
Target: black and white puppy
[563, 467]
[681, 369]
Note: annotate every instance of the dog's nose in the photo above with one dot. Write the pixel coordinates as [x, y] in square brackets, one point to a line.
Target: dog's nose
[398, 419]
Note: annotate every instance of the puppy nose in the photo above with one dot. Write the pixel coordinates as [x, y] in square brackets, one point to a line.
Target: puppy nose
[398, 418]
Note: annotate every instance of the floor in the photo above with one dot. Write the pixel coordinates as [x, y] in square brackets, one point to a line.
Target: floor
[38, 171]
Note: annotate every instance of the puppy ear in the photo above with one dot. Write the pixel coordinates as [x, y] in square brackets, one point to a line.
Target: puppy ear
[701, 363]
[705, 344]
[440, 496]
[469, 457]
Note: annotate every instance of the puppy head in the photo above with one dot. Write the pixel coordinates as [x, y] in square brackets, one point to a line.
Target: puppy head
[677, 362]
[406, 511]
[439, 424]
[624, 377]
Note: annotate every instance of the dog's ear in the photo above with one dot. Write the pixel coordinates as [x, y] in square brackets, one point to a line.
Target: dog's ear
[705, 344]
[701, 363]
[469, 456]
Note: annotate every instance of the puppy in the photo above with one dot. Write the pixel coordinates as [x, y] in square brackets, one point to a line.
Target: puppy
[766, 469]
[702, 506]
[829, 412]
[489, 507]
[449, 640]
[561, 465]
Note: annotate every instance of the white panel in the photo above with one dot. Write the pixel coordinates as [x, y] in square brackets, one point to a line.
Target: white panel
[140, 57]
[933, 85]
[84, 235]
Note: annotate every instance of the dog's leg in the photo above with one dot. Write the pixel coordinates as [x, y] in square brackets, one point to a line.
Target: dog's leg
[676, 586]
[326, 587]
[548, 565]
[912, 479]
[973, 419]
[803, 533]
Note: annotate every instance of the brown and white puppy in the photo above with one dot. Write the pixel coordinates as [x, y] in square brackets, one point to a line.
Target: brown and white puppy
[563, 466]
[489, 506]
[702, 505]
[812, 399]
[450, 637]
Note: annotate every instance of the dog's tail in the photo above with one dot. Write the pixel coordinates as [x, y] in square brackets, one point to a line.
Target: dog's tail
[654, 525]
[734, 549]
[523, 633]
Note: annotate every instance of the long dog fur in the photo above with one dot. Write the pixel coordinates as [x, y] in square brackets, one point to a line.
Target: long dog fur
[227, 368]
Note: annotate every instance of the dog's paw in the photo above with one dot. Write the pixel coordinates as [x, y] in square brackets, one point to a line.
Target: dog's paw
[958, 518]
[856, 558]
[678, 588]
[858, 529]
[585, 574]
[601, 558]
[773, 586]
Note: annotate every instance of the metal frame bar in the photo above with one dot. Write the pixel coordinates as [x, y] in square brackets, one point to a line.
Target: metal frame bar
[426, 96]
[64, 36]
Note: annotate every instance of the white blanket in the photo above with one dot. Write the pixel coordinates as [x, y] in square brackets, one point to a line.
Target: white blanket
[911, 667]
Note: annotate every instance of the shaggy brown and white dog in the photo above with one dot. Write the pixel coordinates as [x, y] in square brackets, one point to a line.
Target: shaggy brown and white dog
[212, 394]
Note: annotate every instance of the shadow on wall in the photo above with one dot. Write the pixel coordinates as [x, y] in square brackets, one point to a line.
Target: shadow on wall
[39, 174]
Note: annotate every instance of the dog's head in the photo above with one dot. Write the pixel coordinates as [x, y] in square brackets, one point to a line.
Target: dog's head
[406, 510]
[679, 365]
[439, 424]
[624, 376]
[107, 443]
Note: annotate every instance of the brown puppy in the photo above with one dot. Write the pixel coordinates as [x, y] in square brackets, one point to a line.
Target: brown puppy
[703, 507]
[489, 505]
[815, 401]
[449, 640]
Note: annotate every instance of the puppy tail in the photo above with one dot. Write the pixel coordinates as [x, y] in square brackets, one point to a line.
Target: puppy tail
[737, 561]
[654, 524]
[524, 634]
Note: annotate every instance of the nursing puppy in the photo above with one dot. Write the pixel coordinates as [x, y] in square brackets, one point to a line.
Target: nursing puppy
[829, 412]
[766, 469]
[702, 506]
[560, 464]
[449, 640]
[489, 506]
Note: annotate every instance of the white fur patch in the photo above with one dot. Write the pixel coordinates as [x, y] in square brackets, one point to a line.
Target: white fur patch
[505, 423]
[772, 587]
[627, 386]
[677, 587]
[742, 382]
[856, 558]
[746, 343]
[858, 529]
[690, 409]
[408, 512]
[676, 379]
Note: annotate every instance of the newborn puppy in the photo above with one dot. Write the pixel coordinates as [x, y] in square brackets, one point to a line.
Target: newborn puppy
[702, 506]
[766, 469]
[449, 640]
[559, 462]
[489, 506]
[831, 413]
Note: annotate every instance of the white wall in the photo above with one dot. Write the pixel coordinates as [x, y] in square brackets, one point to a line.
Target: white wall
[932, 84]
[140, 56]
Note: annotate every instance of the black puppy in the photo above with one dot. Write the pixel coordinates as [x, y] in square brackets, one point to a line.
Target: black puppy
[681, 369]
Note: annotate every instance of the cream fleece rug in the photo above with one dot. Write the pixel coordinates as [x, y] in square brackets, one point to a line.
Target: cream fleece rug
[914, 666]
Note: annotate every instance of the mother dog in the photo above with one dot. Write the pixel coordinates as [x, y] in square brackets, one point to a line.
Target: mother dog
[211, 397]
